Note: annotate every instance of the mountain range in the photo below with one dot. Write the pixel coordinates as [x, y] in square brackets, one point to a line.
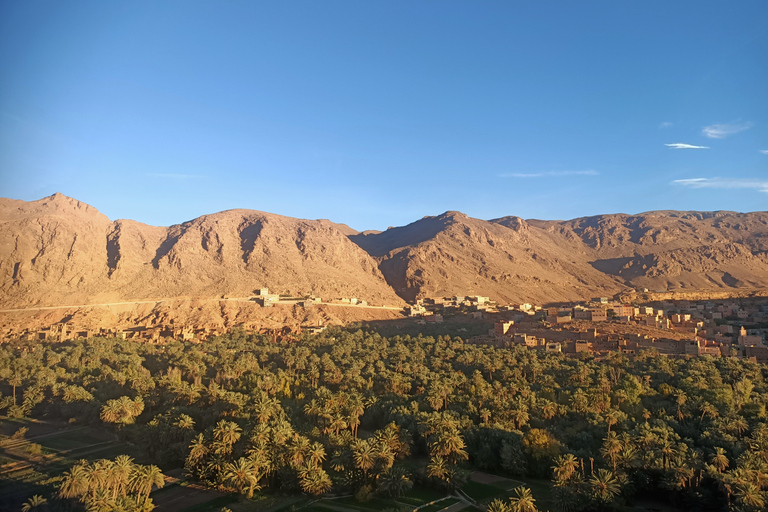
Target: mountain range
[60, 251]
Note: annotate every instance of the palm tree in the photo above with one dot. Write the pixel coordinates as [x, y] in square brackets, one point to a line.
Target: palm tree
[122, 474]
[448, 443]
[612, 418]
[313, 408]
[567, 498]
[100, 475]
[395, 482]
[227, 432]
[356, 409]
[498, 505]
[111, 412]
[198, 450]
[520, 417]
[316, 482]
[242, 473]
[297, 450]
[667, 450]
[719, 459]
[749, 495]
[185, 422]
[75, 482]
[523, 501]
[99, 502]
[565, 467]
[34, 502]
[316, 453]
[738, 425]
[604, 486]
[337, 424]
[364, 456]
[437, 468]
[264, 407]
[628, 457]
[680, 399]
[611, 448]
[549, 410]
[144, 478]
[122, 410]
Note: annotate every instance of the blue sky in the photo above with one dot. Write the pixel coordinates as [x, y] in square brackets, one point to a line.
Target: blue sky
[379, 113]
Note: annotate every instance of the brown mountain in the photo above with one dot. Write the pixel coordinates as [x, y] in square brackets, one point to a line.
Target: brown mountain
[59, 251]
[510, 259]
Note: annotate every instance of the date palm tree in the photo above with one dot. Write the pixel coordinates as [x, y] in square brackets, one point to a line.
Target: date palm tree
[316, 482]
[522, 501]
[604, 486]
[227, 432]
[749, 496]
[364, 456]
[565, 467]
[143, 479]
[75, 482]
[680, 399]
[99, 502]
[437, 468]
[241, 474]
[395, 482]
[33, 503]
[316, 453]
[611, 448]
[719, 459]
[498, 505]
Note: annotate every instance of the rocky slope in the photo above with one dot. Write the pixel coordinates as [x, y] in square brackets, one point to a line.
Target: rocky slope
[511, 259]
[59, 251]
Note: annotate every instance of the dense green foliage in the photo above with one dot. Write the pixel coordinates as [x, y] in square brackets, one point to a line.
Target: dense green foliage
[351, 411]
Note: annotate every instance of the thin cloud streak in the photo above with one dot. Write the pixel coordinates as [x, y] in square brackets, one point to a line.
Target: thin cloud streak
[548, 173]
[665, 124]
[723, 130]
[680, 145]
[727, 183]
[763, 151]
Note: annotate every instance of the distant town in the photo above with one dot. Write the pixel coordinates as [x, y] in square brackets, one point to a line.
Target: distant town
[719, 328]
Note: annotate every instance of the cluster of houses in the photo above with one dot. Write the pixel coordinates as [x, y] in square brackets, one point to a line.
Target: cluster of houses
[148, 332]
[268, 300]
[702, 328]
[716, 328]
[152, 331]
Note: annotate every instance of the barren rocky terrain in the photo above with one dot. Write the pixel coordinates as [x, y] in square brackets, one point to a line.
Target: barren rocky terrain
[60, 251]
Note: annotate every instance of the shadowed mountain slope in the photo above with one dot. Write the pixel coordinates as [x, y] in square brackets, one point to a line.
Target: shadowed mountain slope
[511, 259]
[60, 251]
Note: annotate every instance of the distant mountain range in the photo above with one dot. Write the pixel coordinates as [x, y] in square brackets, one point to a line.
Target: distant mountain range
[60, 251]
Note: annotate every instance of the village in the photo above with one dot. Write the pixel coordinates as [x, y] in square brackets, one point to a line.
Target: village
[714, 328]
[719, 328]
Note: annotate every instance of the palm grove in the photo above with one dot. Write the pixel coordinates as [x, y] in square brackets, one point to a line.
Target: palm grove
[350, 411]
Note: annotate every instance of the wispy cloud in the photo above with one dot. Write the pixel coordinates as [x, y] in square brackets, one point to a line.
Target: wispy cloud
[665, 124]
[174, 176]
[759, 185]
[548, 173]
[723, 130]
[763, 151]
[680, 145]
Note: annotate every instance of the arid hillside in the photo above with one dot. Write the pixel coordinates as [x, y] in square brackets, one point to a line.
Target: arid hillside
[511, 259]
[59, 251]
[508, 260]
